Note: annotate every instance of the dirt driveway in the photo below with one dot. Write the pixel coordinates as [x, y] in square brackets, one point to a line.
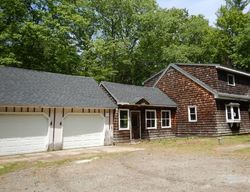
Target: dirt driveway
[152, 169]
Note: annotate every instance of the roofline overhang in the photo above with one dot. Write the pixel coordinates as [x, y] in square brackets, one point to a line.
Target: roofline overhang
[227, 96]
[161, 71]
[102, 84]
[48, 106]
[137, 105]
[232, 70]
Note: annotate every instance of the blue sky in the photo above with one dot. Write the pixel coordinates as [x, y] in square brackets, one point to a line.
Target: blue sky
[208, 8]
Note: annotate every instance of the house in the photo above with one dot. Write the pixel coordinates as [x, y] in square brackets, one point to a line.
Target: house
[142, 113]
[212, 99]
[42, 111]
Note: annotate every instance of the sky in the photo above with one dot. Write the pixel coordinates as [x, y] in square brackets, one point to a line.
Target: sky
[208, 8]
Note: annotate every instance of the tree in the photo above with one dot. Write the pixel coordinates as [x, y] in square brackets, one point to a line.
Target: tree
[173, 36]
[43, 35]
[232, 25]
[116, 38]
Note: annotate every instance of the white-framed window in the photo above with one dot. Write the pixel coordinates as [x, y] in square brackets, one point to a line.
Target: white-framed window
[123, 119]
[192, 113]
[150, 119]
[166, 119]
[233, 113]
[231, 79]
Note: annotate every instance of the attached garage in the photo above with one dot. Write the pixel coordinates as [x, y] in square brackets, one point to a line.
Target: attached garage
[23, 133]
[83, 130]
[42, 111]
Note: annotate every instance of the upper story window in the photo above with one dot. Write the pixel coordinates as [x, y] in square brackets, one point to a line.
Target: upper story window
[166, 119]
[150, 119]
[123, 119]
[192, 113]
[231, 79]
[233, 113]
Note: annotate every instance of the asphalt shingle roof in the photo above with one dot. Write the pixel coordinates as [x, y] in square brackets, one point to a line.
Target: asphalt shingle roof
[131, 94]
[33, 88]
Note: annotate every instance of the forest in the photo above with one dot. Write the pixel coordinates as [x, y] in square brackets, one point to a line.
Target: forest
[119, 40]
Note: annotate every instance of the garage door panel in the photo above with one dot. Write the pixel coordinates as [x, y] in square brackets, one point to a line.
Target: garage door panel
[23, 133]
[76, 123]
[83, 131]
[18, 145]
[23, 126]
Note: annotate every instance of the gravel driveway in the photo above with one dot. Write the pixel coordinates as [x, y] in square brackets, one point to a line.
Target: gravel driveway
[148, 170]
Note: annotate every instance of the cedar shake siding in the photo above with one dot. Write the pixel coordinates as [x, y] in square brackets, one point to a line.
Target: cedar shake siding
[186, 93]
[122, 136]
[206, 87]
[134, 101]
[223, 127]
[217, 79]
[242, 84]
[207, 74]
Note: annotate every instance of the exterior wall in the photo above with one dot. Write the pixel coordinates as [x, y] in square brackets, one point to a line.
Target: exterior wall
[124, 135]
[207, 74]
[217, 79]
[185, 92]
[223, 127]
[242, 84]
[56, 116]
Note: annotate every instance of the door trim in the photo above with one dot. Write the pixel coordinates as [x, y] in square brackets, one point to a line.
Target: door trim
[136, 111]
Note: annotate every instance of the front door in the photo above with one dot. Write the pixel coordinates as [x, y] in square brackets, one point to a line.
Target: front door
[136, 124]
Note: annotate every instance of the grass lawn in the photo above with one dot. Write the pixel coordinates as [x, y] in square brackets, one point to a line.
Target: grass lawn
[228, 145]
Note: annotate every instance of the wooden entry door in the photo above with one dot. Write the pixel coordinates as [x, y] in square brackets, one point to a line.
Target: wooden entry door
[136, 124]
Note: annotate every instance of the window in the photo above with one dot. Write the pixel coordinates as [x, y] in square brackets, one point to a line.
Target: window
[166, 119]
[192, 113]
[231, 79]
[150, 119]
[124, 119]
[233, 113]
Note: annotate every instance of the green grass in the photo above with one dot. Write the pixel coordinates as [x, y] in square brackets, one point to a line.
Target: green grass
[195, 144]
[11, 167]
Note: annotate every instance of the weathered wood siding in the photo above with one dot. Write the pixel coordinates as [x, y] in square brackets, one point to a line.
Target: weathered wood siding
[185, 92]
[56, 116]
[124, 135]
[217, 79]
[223, 128]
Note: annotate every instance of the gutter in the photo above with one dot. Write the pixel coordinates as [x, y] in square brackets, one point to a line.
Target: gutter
[232, 97]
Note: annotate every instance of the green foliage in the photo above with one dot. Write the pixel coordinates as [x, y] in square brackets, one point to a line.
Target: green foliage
[233, 25]
[118, 40]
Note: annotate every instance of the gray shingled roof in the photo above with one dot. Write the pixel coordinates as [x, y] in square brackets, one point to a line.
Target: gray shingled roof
[33, 88]
[131, 94]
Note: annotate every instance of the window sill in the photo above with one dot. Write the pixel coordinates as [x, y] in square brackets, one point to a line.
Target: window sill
[193, 121]
[149, 128]
[123, 129]
[234, 121]
[166, 127]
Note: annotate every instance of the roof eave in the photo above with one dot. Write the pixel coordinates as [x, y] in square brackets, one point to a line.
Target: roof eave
[138, 105]
[227, 96]
[233, 70]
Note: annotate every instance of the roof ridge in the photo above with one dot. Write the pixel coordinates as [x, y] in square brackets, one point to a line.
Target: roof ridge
[47, 72]
[124, 84]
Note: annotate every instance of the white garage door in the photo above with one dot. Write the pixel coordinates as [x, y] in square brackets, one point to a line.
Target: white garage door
[83, 130]
[23, 133]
